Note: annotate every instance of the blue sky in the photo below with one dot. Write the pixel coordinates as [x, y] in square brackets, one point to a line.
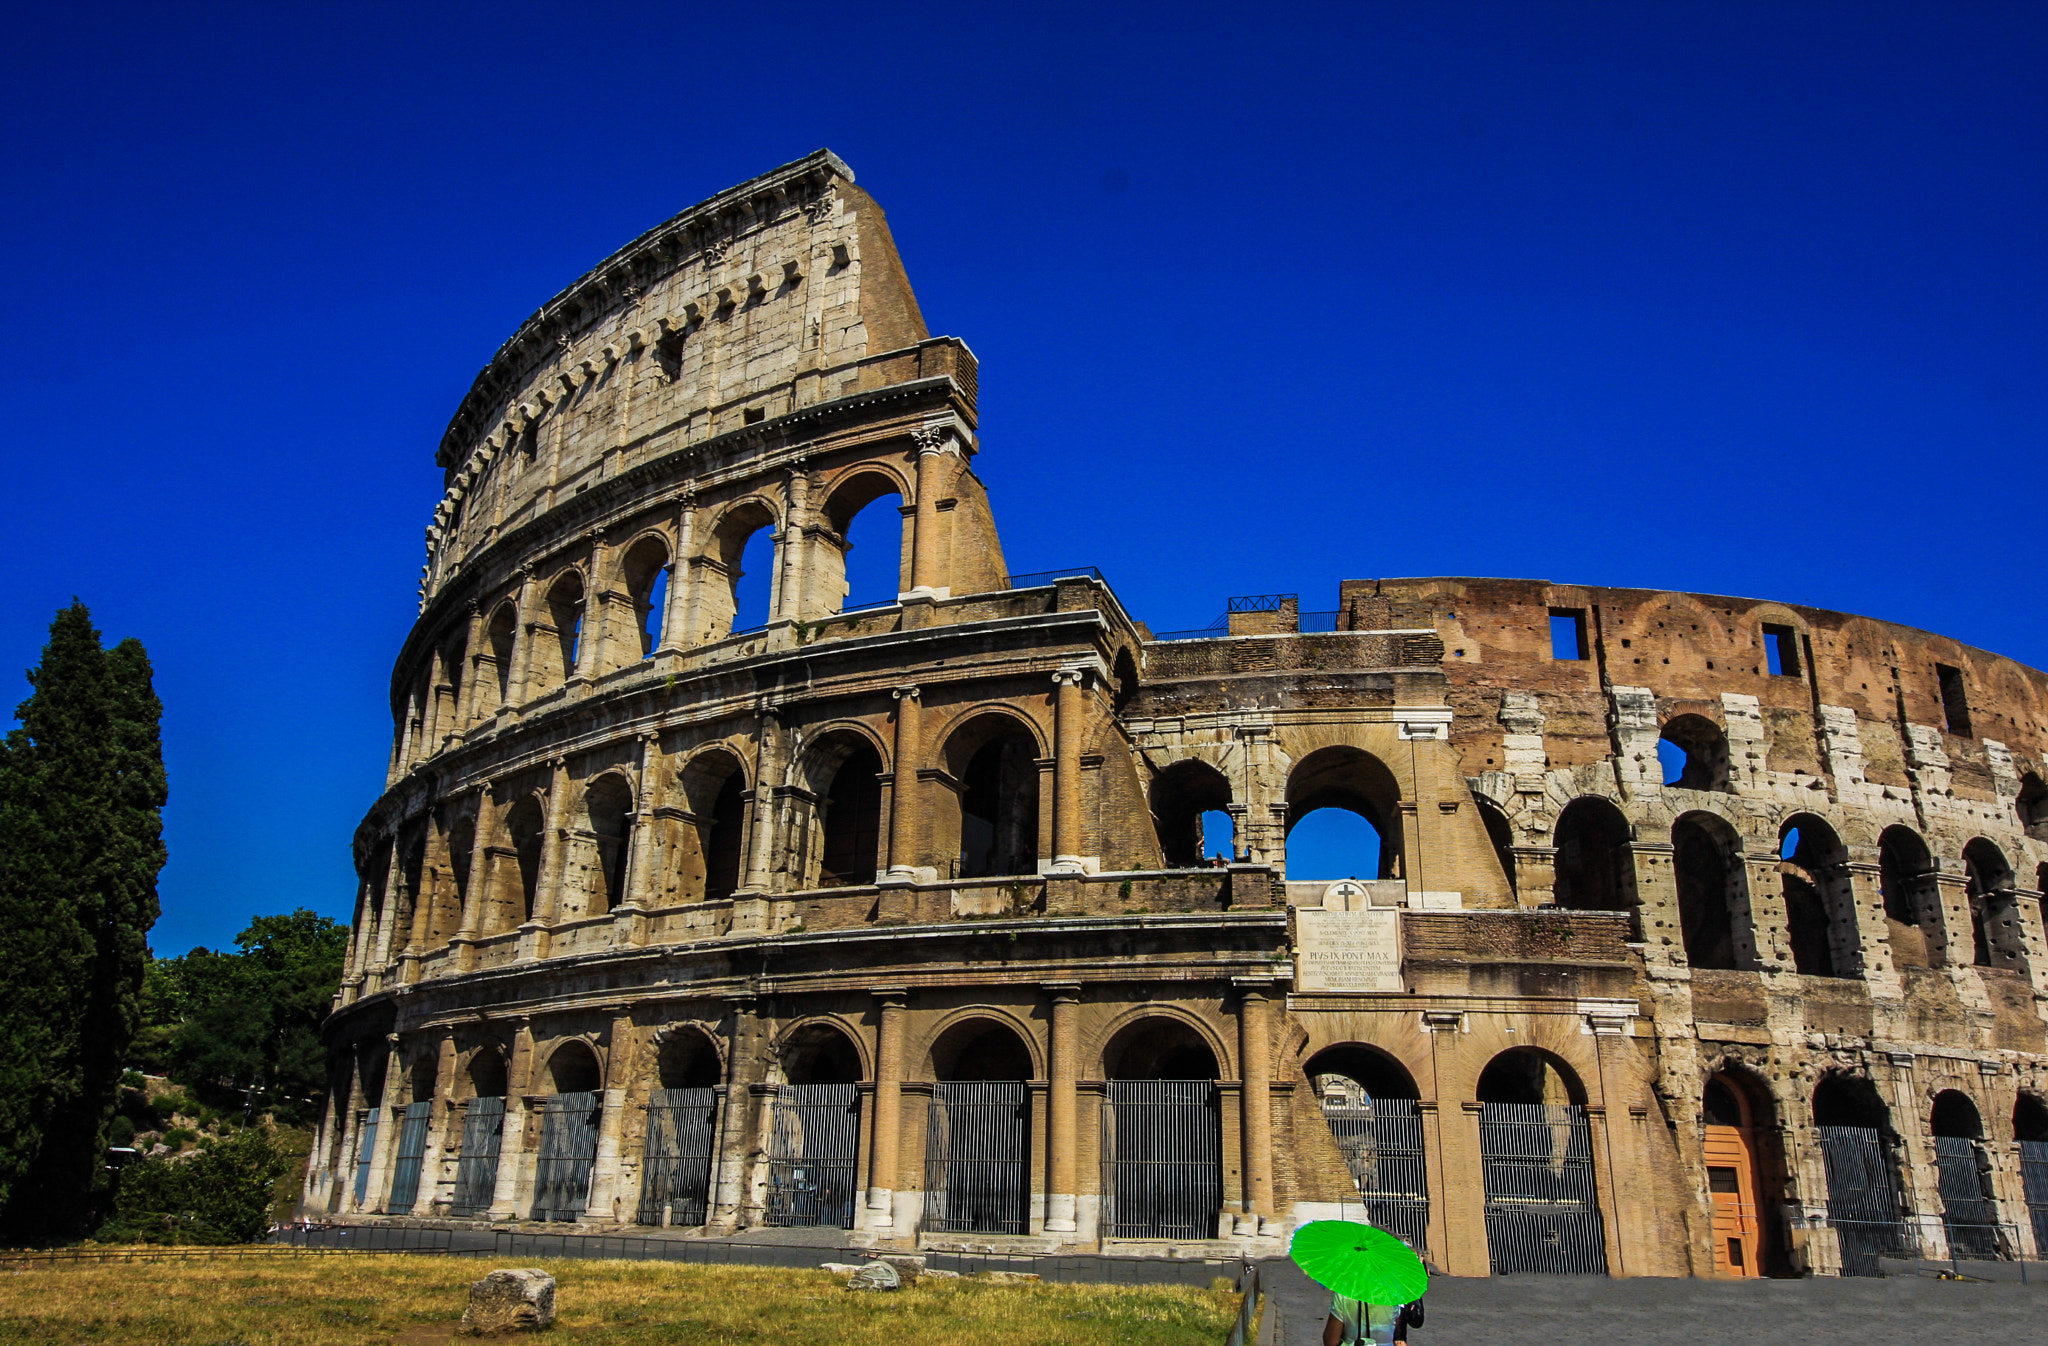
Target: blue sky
[1742, 298]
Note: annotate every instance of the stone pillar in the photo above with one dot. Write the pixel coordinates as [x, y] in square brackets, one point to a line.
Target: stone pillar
[767, 770]
[547, 896]
[1657, 902]
[904, 795]
[792, 558]
[1872, 934]
[607, 1195]
[388, 1113]
[1066, 778]
[631, 914]
[1061, 1104]
[676, 622]
[739, 1117]
[884, 1152]
[924, 540]
[479, 888]
[469, 677]
[1255, 1127]
[512, 1140]
[593, 647]
[435, 1192]
[522, 635]
[380, 950]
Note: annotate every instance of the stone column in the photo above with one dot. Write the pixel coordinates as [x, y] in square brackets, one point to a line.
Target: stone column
[607, 1194]
[1255, 1127]
[380, 949]
[767, 770]
[732, 1185]
[1872, 934]
[387, 1113]
[436, 1188]
[593, 648]
[466, 693]
[479, 888]
[547, 896]
[888, 1128]
[512, 1140]
[924, 538]
[1066, 778]
[903, 788]
[631, 914]
[676, 623]
[793, 559]
[522, 635]
[1063, 1060]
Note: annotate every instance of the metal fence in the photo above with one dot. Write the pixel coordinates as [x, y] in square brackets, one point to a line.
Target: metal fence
[1038, 578]
[366, 1149]
[1542, 1210]
[568, 1152]
[1382, 1145]
[2034, 1184]
[476, 1166]
[1162, 1169]
[1962, 1172]
[1863, 1199]
[976, 1179]
[812, 1146]
[675, 1184]
[412, 1152]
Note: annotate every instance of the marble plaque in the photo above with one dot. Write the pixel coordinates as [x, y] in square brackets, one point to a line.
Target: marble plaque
[1348, 950]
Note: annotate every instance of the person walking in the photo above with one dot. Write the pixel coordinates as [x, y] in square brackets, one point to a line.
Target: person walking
[1353, 1322]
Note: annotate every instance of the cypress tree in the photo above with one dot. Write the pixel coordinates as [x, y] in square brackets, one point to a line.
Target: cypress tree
[82, 790]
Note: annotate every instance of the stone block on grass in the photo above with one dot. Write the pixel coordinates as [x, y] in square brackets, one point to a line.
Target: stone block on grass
[521, 1300]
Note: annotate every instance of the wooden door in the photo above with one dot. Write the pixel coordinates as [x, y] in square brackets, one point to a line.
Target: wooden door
[1731, 1184]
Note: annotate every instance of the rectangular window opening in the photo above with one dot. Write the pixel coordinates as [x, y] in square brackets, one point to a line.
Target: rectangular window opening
[1568, 633]
[1781, 651]
[1954, 704]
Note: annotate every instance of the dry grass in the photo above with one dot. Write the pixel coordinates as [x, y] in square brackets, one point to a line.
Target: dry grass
[417, 1301]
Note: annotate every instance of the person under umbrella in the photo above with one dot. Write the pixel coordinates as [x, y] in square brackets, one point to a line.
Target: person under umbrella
[1376, 1281]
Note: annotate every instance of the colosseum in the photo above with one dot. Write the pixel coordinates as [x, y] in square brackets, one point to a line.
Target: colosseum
[1705, 935]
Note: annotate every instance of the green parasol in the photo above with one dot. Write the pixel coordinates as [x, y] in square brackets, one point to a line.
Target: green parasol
[1359, 1262]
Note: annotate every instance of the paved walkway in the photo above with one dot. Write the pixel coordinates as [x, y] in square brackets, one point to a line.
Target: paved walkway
[1595, 1311]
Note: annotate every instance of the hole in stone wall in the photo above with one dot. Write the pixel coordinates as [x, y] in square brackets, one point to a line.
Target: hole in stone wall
[1781, 650]
[754, 585]
[1219, 835]
[1568, 633]
[1955, 703]
[1334, 843]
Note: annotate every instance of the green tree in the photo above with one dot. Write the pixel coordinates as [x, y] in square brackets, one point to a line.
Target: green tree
[220, 1194]
[82, 789]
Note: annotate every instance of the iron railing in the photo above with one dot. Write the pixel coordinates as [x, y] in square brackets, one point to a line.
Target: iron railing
[568, 1153]
[366, 1150]
[1542, 1210]
[1039, 578]
[412, 1152]
[976, 1177]
[2034, 1186]
[675, 1184]
[1382, 1145]
[1863, 1199]
[1162, 1170]
[476, 1165]
[1962, 1172]
[1247, 1308]
[813, 1143]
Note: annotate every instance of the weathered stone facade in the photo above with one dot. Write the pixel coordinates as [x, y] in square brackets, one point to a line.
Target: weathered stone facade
[631, 856]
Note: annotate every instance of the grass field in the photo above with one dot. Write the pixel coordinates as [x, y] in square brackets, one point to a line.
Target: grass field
[287, 1300]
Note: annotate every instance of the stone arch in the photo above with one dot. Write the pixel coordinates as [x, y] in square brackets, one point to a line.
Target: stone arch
[1595, 866]
[989, 823]
[2032, 806]
[1745, 1170]
[644, 572]
[2030, 1118]
[1161, 1046]
[854, 491]
[1358, 1072]
[559, 650]
[1124, 680]
[1955, 1115]
[821, 1050]
[1705, 746]
[979, 1045]
[711, 849]
[485, 1074]
[573, 1067]
[718, 584]
[501, 637]
[422, 1078]
[687, 1057]
[1180, 794]
[515, 878]
[1529, 1075]
[458, 844]
[1707, 865]
[608, 820]
[1997, 937]
[1820, 906]
[1501, 834]
[1912, 898]
[842, 769]
[1351, 779]
[1845, 1098]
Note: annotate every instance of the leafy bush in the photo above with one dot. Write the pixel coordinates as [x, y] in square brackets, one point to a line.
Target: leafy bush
[121, 1131]
[220, 1194]
[178, 1137]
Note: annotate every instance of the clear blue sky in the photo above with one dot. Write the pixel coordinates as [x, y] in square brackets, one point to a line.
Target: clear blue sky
[1744, 298]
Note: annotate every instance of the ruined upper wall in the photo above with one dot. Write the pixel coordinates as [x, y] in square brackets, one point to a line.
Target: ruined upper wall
[765, 299]
[1692, 651]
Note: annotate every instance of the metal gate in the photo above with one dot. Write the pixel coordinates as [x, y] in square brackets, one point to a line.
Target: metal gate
[1542, 1210]
[476, 1171]
[1968, 1214]
[568, 1151]
[2034, 1183]
[676, 1177]
[412, 1152]
[1863, 1198]
[975, 1170]
[811, 1151]
[1162, 1167]
[1382, 1145]
[366, 1150]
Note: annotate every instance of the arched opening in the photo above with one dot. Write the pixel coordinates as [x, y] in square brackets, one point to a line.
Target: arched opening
[568, 1134]
[1536, 1151]
[645, 570]
[1185, 796]
[502, 636]
[608, 814]
[486, 1074]
[1707, 864]
[1963, 1174]
[461, 844]
[2030, 1132]
[1997, 937]
[869, 543]
[483, 1130]
[561, 652]
[2032, 806]
[525, 828]
[1912, 901]
[414, 1119]
[2030, 1127]
[412, 866]
[1125, 675]
[815, 1136]
[1857, 1144]
[736, 589]
[370, 1081]
[977, 1134]
[1369, 1101]
[1595, 868]
[710, 856]
[851, 808]
[995, 760]
[682, 1122]
[1693, 751]
[1336, 782]
[1813, 877]
[447, 692]
[1502, 834]
[1162, 1133]
[1744, 1174]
